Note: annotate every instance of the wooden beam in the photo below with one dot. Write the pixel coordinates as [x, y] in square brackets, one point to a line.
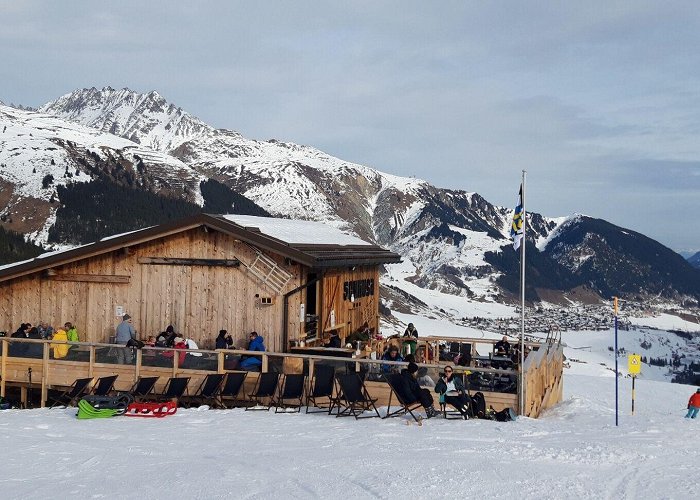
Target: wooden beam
[91, 278]
[177, 261]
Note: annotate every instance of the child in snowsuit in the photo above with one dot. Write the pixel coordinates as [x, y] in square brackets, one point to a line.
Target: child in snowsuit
[693, 405]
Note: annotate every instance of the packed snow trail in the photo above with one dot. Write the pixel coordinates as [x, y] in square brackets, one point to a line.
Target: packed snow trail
[573, 451]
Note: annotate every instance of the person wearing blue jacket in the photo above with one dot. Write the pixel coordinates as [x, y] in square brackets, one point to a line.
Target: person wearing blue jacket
[253, 363]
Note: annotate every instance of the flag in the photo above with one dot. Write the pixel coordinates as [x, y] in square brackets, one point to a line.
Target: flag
[516, 227]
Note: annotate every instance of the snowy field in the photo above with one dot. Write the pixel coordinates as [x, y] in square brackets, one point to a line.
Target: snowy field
[573, 451]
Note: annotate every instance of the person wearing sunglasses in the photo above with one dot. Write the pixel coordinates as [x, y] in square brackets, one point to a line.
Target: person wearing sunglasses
[451, 390]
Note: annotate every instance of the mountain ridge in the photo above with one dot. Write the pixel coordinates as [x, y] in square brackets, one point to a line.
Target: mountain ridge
[453, 237]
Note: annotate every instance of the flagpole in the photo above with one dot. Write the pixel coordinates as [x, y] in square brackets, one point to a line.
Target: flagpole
[522, 304]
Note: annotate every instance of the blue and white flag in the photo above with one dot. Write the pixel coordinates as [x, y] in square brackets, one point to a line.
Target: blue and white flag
[516, 227]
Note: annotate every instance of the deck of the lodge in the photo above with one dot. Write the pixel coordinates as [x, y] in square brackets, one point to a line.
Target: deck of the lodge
[542, 372]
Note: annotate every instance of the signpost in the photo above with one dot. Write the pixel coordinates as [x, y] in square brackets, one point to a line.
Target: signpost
[634, 366]
[616, 370]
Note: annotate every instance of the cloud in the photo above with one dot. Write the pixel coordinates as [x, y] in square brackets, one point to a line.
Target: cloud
[595, 100]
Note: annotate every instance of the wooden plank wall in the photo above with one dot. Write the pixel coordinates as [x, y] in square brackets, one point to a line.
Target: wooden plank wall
[197, 300]
[350, 314]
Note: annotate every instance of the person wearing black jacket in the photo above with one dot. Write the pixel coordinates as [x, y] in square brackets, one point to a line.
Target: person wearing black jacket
[413, 392]
[451, 388]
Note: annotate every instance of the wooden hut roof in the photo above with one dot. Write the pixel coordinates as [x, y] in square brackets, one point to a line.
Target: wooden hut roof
[312, 244]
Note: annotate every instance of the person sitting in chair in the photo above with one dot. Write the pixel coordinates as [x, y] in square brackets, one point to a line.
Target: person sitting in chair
[391, 354]
[253, 363]
[333, 340]
[412, 392]
[502, 347]
[451, 390]
[224, 340]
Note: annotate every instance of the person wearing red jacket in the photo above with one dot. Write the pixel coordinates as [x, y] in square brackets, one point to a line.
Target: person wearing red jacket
[693, 405]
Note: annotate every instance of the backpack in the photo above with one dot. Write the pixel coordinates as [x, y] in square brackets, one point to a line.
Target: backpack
[505, 415]
[479, 405]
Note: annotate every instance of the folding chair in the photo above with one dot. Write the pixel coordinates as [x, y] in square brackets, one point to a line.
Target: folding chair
[265, 388]
[455, 414]
[174, 389]
[231, 388]
[104, 385]
[321, 387]
[143, 387]
[396, 385]
[292, 388]
[353, 396]
[208, 390]
[71, 395]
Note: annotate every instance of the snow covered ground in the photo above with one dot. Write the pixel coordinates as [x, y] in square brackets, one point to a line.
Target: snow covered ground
[573, 451]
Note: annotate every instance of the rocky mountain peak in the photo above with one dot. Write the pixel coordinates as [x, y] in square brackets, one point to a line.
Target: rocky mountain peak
[147, 119]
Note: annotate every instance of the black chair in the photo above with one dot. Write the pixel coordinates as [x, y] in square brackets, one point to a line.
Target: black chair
[396, 389]
[353, 397]
[321, 388]
[143, 387]
[454, 413]
[69, 397]
[292, 388]
[174, 389]
[208, 390]
[104, 385]
[265, 388]
[231, 388]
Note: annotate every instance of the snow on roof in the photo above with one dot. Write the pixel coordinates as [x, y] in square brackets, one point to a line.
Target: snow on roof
[297, 231]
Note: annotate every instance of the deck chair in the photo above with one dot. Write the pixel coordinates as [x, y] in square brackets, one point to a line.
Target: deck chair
[353, 397]
[70, 396]
[321, 387]
[292, 388]
[455, 414]
[266, 387]
[143, 387]
[104, 385]
[174, 389]
[207, 391]
[396, 386]
[231, 388]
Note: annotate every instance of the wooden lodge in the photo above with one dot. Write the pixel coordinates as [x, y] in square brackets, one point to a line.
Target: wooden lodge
[287, 280]
[293, 282]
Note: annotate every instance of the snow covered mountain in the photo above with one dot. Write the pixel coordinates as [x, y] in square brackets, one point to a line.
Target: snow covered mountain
[456, 241]
[39, 153]
[146, 119]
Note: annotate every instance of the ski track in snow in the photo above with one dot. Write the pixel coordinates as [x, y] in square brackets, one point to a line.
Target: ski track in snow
[572, 451]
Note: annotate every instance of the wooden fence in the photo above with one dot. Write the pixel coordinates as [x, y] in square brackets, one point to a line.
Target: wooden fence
[94, 360]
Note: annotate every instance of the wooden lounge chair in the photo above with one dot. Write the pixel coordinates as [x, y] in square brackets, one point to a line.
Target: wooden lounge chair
[143, 387]
[174, 389]
[396, 386]
[231, 389]
[104, 385]
[70, 396]
[353, 398]
[264, 389]
[321, 387]
[208, 390]
[292, 389]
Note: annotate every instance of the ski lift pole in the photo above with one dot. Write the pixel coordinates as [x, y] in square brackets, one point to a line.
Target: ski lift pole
[616, 381]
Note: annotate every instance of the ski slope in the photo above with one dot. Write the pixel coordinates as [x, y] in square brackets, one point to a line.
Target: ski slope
[573, 451]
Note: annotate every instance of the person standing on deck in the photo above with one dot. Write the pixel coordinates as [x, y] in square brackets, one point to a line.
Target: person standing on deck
[125, 333]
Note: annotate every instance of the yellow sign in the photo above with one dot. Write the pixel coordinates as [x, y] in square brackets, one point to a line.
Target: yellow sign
[634, 364]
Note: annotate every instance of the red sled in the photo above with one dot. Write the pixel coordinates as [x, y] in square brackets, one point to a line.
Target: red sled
[157, 410]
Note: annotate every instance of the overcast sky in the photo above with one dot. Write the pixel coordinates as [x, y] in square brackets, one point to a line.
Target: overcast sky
[598, 101]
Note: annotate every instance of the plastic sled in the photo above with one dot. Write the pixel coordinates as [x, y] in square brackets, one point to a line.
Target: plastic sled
[86, 411]
[118, 403]
[157, 410]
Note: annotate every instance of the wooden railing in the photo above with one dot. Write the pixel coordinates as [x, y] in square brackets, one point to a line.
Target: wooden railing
[47, 372]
